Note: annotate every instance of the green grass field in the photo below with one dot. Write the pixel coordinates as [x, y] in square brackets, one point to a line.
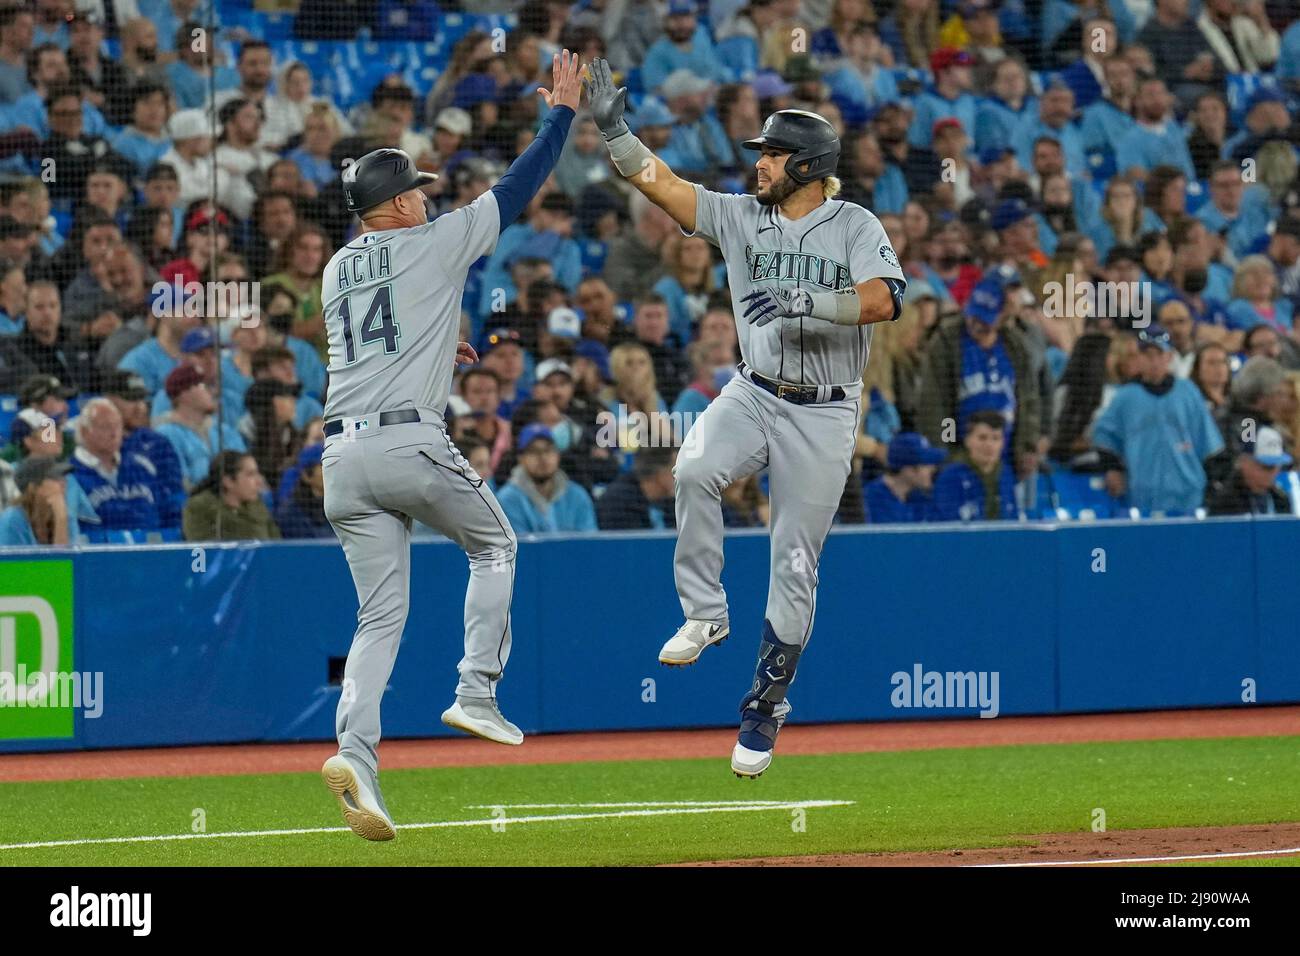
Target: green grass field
[916, 800]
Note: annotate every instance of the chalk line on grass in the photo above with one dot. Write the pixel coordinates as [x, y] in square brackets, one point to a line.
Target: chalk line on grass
[654, 811]
[1144, 859]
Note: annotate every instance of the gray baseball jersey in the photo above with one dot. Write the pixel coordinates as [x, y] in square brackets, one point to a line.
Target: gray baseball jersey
[392, 310]
[835, 247]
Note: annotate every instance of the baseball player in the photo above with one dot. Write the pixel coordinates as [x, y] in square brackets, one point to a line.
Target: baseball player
[808, 275]
[392, 312]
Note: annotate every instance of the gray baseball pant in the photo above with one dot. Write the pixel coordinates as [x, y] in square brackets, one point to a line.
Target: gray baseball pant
[376, 481]
[808, 451]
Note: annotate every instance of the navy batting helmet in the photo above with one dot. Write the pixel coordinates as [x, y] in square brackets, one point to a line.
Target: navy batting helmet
[379, 176]
[812, 139]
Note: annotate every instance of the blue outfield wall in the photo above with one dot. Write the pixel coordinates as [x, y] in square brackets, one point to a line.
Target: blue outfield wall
[240, 648]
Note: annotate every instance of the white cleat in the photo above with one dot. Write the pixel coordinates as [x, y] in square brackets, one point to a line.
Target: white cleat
[752, 763]
[689, 642]
[749, 763]
[482, 718]
[363, 808]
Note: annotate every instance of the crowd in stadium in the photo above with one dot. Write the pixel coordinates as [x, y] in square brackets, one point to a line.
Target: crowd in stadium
[1096, 204]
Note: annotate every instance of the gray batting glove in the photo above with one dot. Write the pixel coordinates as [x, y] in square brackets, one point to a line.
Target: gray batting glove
[795, 303]
[606, 101]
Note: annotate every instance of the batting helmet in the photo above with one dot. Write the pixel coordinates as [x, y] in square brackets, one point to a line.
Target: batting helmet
[379, 176]
[812, 139]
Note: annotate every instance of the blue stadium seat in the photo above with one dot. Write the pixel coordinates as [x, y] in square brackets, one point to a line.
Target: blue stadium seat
[1240, 88]
[1080, 497]
[1101, 163]
[8, 412]
[1289, 482]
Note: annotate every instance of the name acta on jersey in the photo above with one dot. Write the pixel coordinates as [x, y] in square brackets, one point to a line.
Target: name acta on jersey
[804, 266]
[368, 266]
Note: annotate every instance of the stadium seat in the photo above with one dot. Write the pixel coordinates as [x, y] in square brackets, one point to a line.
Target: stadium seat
[1289, 482]
[1081, 497]
[8, 412]
[1101, 163]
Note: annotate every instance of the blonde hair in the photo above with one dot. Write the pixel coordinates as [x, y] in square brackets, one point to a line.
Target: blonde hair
[831, 187]
[1245, 267]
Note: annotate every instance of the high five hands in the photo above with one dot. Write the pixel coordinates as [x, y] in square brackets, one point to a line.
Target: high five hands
[566, 81]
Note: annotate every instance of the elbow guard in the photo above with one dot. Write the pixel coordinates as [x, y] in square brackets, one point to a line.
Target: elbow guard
[896, 289]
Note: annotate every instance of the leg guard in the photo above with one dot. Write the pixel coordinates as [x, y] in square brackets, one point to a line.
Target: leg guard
[763, 709]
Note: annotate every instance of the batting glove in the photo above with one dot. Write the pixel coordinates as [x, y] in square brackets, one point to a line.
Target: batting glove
[763, 307]
[795, 303]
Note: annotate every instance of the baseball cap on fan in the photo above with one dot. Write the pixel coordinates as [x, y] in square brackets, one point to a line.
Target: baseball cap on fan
[986, 301]
[1268, 448]
[564, 323]
[911, 448]
[947, 57]
[534, 432]
[553, 366]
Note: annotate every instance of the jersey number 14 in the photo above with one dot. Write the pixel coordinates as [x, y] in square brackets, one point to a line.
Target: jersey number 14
[378, 325]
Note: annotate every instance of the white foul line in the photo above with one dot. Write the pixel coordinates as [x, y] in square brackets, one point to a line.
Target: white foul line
[1140, 859]
[491, 821]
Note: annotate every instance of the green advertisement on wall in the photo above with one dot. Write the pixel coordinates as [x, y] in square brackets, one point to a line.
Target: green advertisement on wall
[40, 689]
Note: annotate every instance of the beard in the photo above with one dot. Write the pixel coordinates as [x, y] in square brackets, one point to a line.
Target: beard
[777, 192]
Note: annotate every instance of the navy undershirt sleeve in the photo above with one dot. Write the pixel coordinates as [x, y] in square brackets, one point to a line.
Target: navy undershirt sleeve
[516, 188]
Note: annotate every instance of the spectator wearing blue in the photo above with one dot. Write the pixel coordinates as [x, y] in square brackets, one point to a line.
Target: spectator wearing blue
[859, 81]
[189, 77]
[191, 426]
[548, 234]
[145, 140]
[1108, 119]
[40, 516]
[1157, 433]
[692, 277]
[539, 498]
[199, 348]
[1054, 119]
[981, 364]
[1086, 76]
[1255, 299]
[685, 45]
[712, 367]
[1238, 213]
[642, 497]
[1156, 139]
[36, 435]
[699, 144]
[950, 95]
[121, 486]
[129, 396]
[919, 165]
[1049, 160]
[1288, 64]
[902, 494]
[1266, 119]
[868, 180]
[1157, 257]
[979, 485]
[1008, 104]
[16, 28]
[154, 358]
[50, 73]
[301, 511]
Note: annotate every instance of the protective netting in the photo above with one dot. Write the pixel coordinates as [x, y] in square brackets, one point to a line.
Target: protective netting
[1094, 204]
